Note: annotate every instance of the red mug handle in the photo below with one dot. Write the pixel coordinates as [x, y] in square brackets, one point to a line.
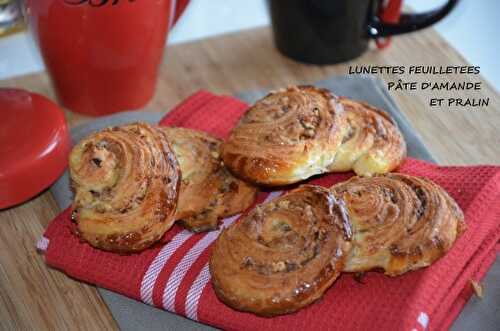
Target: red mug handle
[390, 12]
[177, 8]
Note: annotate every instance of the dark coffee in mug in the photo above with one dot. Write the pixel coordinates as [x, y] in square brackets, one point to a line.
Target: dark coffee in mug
[332, 31]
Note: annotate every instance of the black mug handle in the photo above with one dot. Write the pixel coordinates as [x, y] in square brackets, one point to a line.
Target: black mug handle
[408, 22]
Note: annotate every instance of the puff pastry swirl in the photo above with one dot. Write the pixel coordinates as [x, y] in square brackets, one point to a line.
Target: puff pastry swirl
[372, 143]
[283, 255]
[126, 182]
[400, 223]
[208, 192]
[287, 136]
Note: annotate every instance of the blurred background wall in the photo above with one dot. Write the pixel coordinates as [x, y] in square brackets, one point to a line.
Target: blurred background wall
[473, 29]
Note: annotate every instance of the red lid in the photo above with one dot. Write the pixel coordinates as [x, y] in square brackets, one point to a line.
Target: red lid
[34, 145]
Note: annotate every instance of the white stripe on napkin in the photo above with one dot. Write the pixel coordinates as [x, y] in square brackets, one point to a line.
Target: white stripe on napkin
[187, 261]
[150, 277]
[194, 293]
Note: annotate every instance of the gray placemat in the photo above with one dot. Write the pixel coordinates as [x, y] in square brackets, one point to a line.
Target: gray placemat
[133, 315]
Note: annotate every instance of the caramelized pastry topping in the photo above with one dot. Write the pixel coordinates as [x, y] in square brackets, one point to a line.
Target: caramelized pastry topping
[126, 182]
[400, 223]
[287, 136]
[283, 255]
[208, 191]
[372, 142]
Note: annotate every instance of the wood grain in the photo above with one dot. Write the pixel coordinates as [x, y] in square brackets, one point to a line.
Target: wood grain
[32, 296]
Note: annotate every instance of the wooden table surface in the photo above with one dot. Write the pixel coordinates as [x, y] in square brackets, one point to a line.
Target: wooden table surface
[33, 296]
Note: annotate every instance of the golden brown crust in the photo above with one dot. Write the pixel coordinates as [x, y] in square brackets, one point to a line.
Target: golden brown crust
[208, 192]
[283, 255]
[400, 222]
[126, 181]
[372, 142]
[287, 136]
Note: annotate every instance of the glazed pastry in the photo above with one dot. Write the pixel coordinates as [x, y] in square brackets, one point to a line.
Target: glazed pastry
[126, 182]
[372, 142]
[208, 191]
[287, 136]
[283, 255]
[400, 223]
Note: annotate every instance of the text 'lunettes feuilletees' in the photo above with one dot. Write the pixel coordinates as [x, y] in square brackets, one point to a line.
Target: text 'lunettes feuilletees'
[434, 79]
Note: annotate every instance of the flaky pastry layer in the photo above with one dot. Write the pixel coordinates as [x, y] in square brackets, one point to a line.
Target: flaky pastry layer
[208, 192]
[372, 143]
[126, 182]
[289, 135]
[400, 222]
[283, 255]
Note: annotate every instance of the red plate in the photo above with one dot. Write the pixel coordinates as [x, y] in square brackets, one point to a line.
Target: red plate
[34, 145]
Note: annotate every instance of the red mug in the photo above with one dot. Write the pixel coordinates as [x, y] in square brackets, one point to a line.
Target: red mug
[103, 56]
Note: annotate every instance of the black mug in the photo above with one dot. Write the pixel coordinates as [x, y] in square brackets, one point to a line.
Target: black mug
[333, 31]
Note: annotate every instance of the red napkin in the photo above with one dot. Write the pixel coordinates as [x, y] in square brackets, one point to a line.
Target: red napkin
[174, 275]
